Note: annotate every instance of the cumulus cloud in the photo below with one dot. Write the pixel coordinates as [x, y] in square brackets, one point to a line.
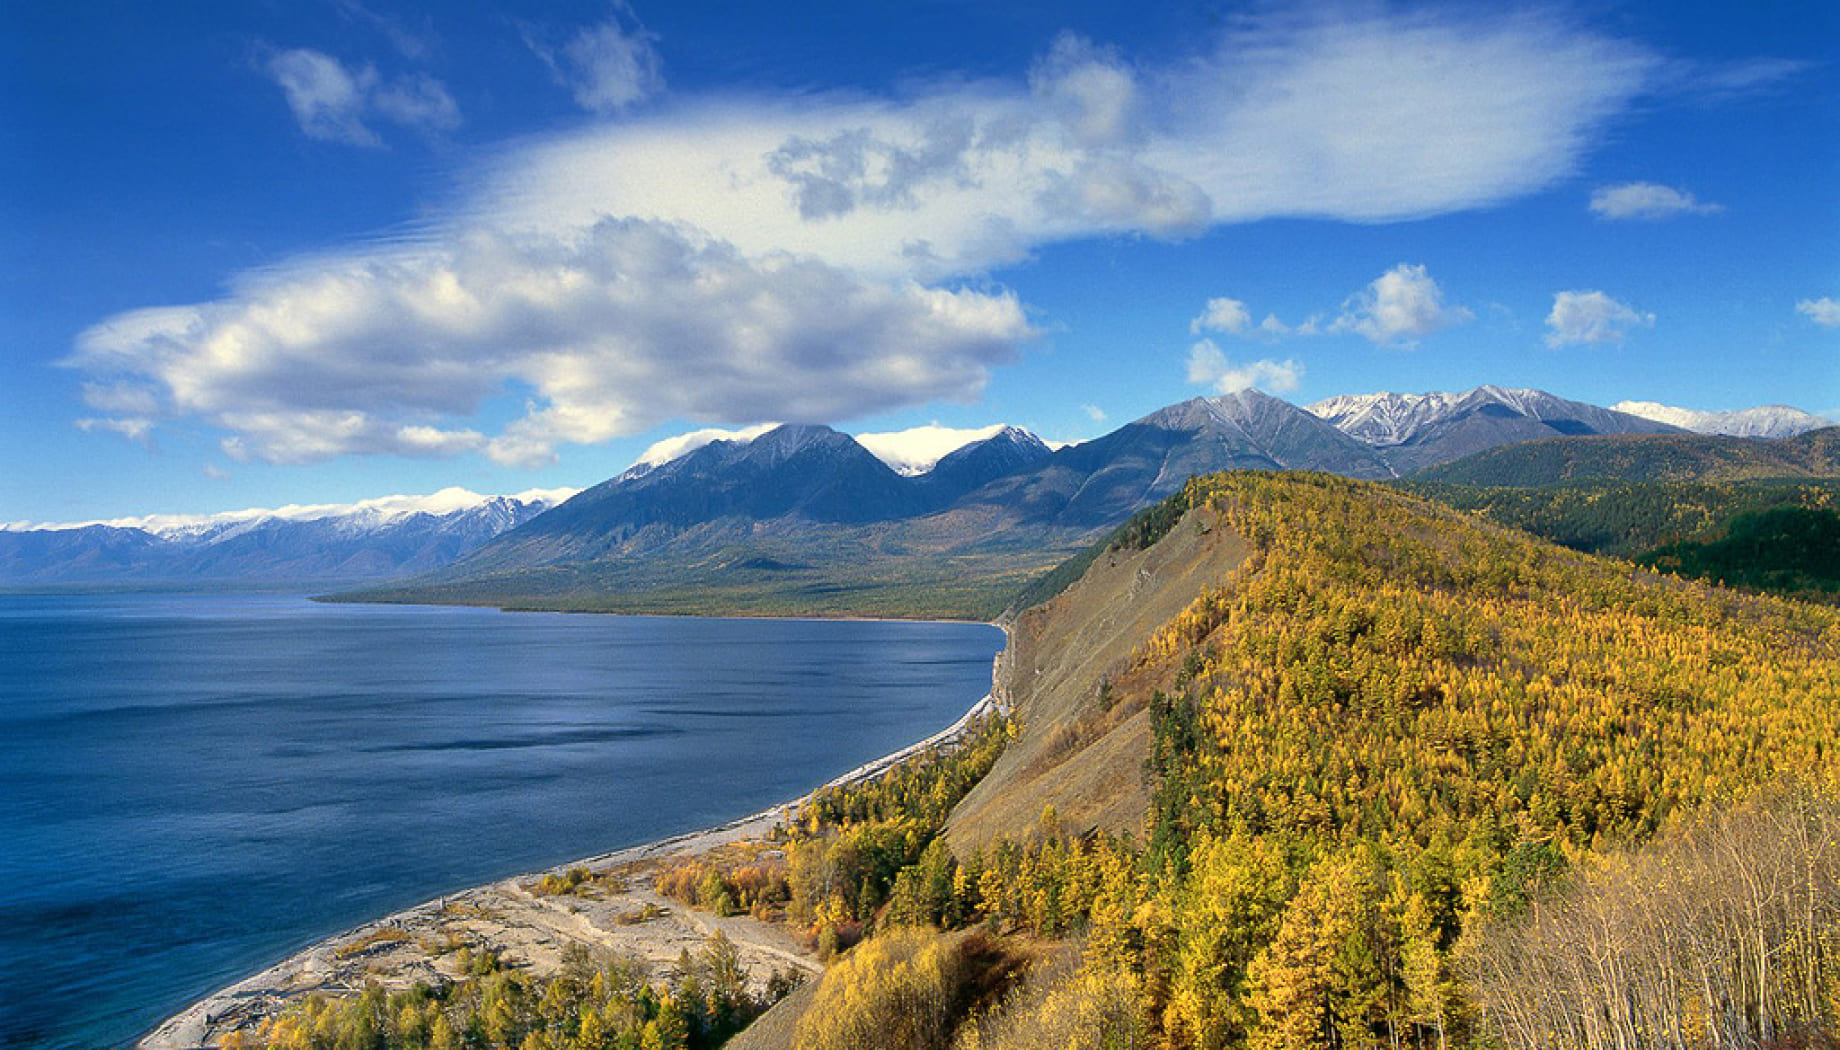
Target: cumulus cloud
[1591, 318]
[606, 67]
[916, 449]
[632, 324]
[737, 258]
[1824, 311]
[1398, 308]
[335, 104]
[662, 452]
[1209, 366]
[1222, 315]
[1647, 200]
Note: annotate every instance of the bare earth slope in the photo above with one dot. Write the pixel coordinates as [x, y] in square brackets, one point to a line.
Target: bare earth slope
[1068, 673]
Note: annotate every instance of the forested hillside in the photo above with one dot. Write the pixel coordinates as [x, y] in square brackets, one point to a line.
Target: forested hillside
[1628, 519]
[1376, 740]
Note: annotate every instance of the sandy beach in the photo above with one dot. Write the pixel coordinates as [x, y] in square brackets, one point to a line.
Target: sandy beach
[615, 911]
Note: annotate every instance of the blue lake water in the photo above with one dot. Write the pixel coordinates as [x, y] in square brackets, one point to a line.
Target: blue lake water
[192, 787]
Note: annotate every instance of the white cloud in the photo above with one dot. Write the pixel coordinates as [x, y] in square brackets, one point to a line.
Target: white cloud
[916, 449]
[1398, 308]
[1222, 315]
[1646, 200]
[736, 258]
[606, 67]
[1580, 318]
[1365, 119]
[1094, 413]
[333, 103]
[659, 453]
[632, 324]
[1208, 365]
[1824, 311]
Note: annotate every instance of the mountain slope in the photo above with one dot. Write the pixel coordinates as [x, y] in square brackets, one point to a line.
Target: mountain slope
[1099, 483]
[1414, 431]
[1670, 457]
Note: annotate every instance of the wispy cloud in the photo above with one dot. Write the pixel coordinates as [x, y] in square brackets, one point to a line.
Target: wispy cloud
[136, 429]
[1208, 365]
[732, 259]
[1647, 200]
[1824, 311]
[334, 103]
[1591, 318]
[606, 67]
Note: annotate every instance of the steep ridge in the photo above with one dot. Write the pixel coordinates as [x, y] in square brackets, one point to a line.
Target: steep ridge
[1068, 674]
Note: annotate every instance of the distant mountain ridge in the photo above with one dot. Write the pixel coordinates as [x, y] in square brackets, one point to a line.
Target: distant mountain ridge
[801, 518]
[1413, 431]
[804, 515]
[1764, 421]
[325, 545]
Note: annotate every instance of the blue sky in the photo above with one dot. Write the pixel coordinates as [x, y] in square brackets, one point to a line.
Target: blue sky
[255, 253]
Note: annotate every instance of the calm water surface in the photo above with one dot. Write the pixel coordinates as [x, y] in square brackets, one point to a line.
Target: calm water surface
[192, 787]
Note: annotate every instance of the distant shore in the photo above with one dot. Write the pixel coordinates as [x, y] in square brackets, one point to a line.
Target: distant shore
[529, 929]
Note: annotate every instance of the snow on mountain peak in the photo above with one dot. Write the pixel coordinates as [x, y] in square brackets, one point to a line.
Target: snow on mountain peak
[1764, 421]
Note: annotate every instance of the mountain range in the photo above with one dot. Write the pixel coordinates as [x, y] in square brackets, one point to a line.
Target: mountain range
[801, 518]
[320, 546]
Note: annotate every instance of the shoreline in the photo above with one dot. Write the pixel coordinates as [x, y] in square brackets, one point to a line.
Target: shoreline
[503, 914]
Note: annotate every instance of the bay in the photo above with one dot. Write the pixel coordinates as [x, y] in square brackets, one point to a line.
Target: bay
[198, 785]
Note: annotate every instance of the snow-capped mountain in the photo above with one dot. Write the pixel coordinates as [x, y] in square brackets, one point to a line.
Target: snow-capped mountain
[1764, 421]
[1412, 431]
[293, 545]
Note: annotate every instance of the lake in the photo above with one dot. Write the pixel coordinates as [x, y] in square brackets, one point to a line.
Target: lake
[196, 786]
